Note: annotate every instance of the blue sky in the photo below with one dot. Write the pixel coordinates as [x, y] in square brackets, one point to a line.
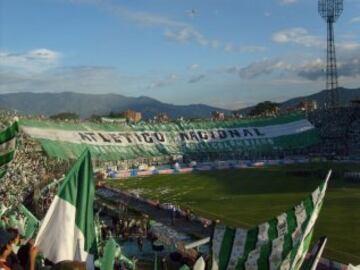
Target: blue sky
[226, 53]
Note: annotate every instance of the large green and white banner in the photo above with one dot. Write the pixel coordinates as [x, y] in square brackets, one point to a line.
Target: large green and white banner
[280, 243]
[113, 142]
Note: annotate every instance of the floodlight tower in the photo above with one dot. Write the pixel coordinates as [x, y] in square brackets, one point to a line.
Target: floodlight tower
[330, 11]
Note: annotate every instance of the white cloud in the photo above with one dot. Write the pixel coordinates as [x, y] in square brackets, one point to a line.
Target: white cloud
[298, 35]
[82, 79]
[191, 13]
[264, 67]
[186, 35]
[349, 46]
[251, 49]
[174, 30]
[193, 67]
[196, 78]
[355, 20]
[138, 17]
[309, 68]
[229, 47]
[163, 82]
[215, 44]
[189, 34]
[33, 61]
[287, 2]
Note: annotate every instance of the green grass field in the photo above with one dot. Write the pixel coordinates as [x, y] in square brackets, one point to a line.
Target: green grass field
[247, 197]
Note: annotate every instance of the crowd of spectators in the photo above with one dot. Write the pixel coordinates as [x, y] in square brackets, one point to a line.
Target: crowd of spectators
[28, 173]
[33, 179]
[339, 130]
[124, 228]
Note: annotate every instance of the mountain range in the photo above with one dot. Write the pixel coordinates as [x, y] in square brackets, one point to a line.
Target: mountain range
[345, 97]
[101, 104]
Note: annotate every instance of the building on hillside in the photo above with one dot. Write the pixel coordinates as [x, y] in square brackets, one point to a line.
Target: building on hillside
[238, 115]
[355, 103]
[265, 109]
[307, 105]
[219, 116]
[131, 116]
[114, 120]
[161, 118]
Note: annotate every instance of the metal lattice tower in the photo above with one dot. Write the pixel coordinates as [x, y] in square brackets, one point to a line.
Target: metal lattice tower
[330, 11]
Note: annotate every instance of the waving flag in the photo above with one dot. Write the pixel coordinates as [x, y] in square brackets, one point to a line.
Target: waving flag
[7, 145]
[67, 231]
[280, 243]
[30, 222]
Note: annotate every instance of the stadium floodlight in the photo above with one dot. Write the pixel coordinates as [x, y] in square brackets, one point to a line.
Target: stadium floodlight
[330, 11]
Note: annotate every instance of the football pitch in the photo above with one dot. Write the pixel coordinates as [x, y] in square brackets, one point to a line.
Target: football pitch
[247, 197]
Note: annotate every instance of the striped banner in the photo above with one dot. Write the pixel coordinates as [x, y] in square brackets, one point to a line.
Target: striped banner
[280, 243]
[7, 146]
[116, 142]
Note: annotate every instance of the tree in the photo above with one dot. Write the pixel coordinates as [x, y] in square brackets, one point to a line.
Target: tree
[95, 118]
[65, 116]
[265, 108]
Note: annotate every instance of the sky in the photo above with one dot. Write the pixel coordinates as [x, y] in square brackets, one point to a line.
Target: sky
[225, 53]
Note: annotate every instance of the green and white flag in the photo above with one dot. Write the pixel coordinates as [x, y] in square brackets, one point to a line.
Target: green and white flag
[7, 145]
[67, 231]
[30, 222]
[280, 243]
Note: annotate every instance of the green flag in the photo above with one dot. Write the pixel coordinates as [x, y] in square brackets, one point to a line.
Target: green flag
[108, 260]
[31, 223]
[67, 231]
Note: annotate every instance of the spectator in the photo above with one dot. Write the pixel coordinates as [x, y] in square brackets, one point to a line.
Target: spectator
[15, 245]
[8, 259]
[5, 249]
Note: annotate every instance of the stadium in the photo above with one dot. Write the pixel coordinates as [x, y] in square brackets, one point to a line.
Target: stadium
[238, 172]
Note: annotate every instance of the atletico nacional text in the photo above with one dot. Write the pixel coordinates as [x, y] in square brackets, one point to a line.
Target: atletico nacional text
[189, 136]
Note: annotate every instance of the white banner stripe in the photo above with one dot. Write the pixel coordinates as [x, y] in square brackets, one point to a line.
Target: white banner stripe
[252, 260]
[216, 244]
[282, 227]
[263, 234]
[238, 248]
[275, 258]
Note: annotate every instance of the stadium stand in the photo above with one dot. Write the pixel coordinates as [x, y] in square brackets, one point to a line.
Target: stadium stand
[28, 177]
[339, 130]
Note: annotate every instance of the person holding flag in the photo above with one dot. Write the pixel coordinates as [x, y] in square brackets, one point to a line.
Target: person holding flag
[67, 231]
